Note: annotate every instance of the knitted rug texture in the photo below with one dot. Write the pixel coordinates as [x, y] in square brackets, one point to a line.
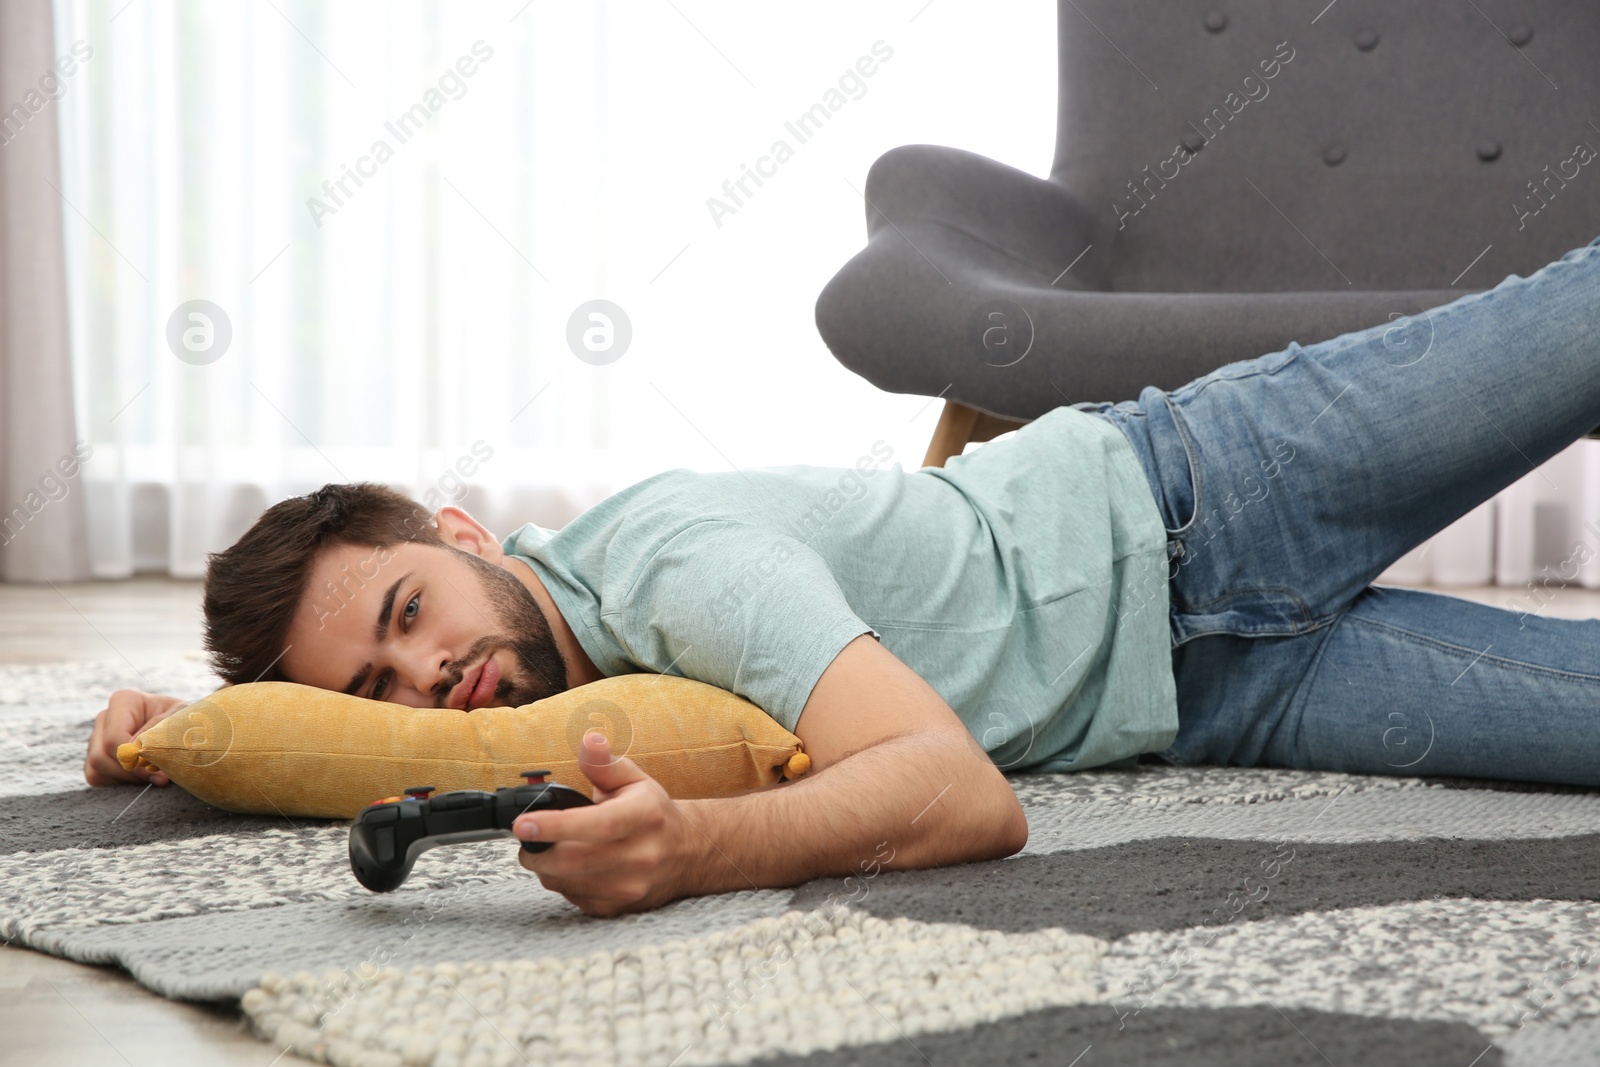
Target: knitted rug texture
[1157, 916]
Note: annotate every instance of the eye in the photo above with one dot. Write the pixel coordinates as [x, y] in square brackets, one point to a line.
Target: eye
[412, 607]
[377, 688]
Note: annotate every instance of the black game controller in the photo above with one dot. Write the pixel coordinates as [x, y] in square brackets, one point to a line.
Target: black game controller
[389, 834]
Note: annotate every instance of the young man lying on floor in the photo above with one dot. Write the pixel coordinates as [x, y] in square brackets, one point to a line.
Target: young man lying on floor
[1187, 574]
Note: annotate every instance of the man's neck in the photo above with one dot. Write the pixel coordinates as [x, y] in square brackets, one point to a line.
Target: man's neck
[580, 668]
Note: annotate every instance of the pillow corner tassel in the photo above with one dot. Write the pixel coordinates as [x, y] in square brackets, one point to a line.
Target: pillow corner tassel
[130, 755]
[798, 764]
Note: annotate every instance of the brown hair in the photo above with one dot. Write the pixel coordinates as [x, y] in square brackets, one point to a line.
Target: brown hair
[253, 588]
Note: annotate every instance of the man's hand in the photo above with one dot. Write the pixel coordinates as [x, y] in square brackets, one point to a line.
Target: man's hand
[633, 850]
[892, 768]
[128, 714]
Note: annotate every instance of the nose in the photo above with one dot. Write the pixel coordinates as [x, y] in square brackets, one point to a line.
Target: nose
[427, 684]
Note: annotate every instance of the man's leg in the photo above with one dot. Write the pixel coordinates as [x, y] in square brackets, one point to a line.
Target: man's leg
[1291, 481]
[1403, 682]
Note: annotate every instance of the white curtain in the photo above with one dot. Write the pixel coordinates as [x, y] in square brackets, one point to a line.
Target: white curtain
[394, 208]
[412, 328]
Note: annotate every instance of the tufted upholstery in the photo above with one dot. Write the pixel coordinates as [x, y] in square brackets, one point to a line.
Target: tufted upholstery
[1228, 177]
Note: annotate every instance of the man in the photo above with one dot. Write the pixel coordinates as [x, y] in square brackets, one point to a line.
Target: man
[1185, 575]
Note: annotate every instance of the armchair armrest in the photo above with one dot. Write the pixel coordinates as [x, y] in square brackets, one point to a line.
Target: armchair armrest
[1031, 220]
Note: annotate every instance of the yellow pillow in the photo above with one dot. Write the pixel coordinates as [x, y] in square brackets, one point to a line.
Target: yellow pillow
[290, 749]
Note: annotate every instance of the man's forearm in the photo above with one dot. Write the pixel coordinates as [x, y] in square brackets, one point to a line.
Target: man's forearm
[923, 795]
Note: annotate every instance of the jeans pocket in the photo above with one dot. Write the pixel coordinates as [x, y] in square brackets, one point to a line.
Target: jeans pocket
[1182, 483]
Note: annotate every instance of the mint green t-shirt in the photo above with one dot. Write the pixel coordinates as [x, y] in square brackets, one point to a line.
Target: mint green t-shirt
[1026, 581]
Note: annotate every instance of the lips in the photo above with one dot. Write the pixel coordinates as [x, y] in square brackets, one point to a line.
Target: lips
[476, 688]
[483, 692]
[461, 694]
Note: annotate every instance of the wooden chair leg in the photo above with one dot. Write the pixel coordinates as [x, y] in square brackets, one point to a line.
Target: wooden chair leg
[952, 434]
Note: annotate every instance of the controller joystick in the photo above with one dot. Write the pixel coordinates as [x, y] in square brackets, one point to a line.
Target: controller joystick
[388, 835]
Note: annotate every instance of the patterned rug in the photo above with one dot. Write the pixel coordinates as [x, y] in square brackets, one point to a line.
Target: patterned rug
[1158, 916]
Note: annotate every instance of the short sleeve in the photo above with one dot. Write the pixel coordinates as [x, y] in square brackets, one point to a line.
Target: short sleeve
[741, 607]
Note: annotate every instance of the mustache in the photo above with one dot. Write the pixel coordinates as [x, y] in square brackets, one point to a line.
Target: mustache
[478, 653]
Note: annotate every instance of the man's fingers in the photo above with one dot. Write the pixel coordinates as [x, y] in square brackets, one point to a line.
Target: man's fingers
[91, 770]
[124, 716]
[593, 894]
[98, 767]
[592, 824]
[614, 820]
[99, 773]
[101, 769]
[608, 773]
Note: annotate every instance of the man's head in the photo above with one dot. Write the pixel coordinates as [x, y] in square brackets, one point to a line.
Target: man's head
[356, 588]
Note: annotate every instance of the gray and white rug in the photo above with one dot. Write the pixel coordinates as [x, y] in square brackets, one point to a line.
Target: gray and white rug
[1158, 916]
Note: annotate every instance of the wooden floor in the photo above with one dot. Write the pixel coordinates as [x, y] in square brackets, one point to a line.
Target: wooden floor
[64, 1014]
[137, 619]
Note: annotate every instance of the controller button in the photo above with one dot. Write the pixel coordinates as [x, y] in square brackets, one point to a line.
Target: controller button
[420, 792]
[383, 841]
[535, 777]
[380, 816]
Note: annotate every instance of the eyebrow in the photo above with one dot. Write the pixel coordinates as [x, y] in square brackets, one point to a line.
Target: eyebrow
[359, 680]
[380, 631]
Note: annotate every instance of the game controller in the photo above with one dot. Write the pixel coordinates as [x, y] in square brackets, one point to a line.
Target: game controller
[389, 834]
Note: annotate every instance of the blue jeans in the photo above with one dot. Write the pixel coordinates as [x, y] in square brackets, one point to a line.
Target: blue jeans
[1288, 483]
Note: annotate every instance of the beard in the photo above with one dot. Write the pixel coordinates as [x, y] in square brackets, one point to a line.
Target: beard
[524, 630]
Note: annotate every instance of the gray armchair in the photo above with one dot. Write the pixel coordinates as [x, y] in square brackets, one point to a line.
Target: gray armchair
[1228, 177]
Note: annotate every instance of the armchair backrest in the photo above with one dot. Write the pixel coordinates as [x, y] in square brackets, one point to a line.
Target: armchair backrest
[1284, 145]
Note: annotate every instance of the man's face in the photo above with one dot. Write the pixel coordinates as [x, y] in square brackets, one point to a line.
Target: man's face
[421, 625]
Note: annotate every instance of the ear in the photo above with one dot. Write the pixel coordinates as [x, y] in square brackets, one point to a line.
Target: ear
[460, 530]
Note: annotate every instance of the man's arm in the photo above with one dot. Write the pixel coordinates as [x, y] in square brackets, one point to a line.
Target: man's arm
[891, 763]
[892, 766]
